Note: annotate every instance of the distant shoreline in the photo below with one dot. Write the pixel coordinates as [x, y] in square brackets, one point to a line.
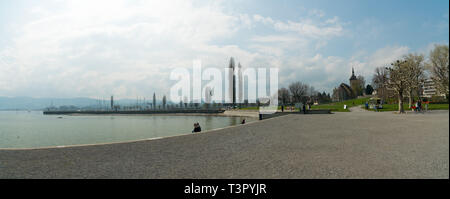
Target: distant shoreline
[169, 114]
[206, 111]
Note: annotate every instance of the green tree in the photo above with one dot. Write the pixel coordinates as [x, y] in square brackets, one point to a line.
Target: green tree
[369, 89]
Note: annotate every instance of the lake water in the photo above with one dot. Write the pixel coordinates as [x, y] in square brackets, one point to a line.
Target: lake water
[23, 129]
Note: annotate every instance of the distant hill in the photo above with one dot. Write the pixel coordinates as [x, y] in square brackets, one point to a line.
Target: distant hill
[29, 103]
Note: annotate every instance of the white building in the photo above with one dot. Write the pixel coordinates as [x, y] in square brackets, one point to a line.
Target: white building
[428, 89]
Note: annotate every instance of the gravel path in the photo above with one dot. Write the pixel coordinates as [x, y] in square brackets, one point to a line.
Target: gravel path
[342, 145]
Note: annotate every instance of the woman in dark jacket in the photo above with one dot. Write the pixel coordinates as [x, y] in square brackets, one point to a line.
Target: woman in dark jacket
[197, 128]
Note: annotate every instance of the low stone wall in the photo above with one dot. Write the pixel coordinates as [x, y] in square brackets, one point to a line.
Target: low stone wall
[277, 114]
[241, 113]
[267, 116]
[327, 111]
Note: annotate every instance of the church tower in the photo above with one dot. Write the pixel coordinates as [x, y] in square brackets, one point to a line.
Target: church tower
[354, 84]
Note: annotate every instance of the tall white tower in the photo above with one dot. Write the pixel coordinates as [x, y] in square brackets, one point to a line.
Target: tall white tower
[240, 85]
[231, 82]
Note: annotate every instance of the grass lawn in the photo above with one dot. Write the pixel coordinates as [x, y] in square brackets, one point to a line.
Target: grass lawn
[335, 106]
[339, 106]
[249, 108]
[394, 107]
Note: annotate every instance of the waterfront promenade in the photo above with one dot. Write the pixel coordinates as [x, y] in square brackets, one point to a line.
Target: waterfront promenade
[358, 144]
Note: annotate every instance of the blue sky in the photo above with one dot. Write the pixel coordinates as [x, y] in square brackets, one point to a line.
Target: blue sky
[54, 48]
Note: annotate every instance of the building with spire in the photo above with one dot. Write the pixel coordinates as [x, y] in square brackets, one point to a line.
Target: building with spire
[354, 83]
[347, 91]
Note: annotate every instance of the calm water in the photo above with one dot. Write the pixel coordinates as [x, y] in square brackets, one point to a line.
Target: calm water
[22, 129]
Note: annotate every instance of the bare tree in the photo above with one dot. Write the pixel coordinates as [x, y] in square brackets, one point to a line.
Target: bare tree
[415, 74]
[312, 91]
[312, 94]
[379, 80]
[283, 95]
[360, 86]
[398, 80]
[298, 91]
[439, 67]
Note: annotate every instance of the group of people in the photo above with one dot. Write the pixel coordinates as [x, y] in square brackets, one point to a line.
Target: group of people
[417, 107]
[375, 106]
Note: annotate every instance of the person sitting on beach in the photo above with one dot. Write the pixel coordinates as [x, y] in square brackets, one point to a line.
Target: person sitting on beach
[197, 128]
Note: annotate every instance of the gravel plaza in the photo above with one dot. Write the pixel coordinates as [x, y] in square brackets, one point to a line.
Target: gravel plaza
[358, 144]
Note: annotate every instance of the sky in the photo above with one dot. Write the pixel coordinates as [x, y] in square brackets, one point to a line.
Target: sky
[98, 48]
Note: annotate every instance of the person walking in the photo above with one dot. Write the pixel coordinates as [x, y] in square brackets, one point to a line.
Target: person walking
[419, 105]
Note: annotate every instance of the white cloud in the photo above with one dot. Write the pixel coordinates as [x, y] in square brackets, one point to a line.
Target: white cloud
[316, 12]
[99, 48]
[306, 27]
[87, 48]
[365, 64]
[128, 49]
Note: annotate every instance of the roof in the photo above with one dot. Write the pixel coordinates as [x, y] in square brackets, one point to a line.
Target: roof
[353, 77]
